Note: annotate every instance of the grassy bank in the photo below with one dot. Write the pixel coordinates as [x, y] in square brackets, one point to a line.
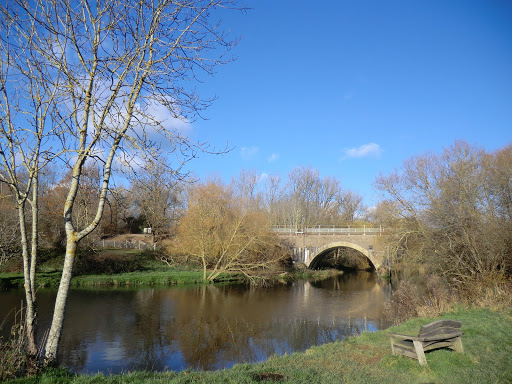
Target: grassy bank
[365, 359]
[114, 267]
[137, 278]
[310, 274]
[149, 277]
[121, 267]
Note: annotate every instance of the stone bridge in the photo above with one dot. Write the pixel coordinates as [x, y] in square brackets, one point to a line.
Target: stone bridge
[311, 244]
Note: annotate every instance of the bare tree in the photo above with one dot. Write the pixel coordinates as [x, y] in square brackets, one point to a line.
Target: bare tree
[326, 196]
[245, 188]
[118, 67]
[158, 196]
[445, 208]
[224, 236]
[272, 195]
[117, 211]
[301, 184]
[311, 199]
[350, 206]
[27, 124]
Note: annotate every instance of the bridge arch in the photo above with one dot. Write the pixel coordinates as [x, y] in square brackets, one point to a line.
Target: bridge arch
[315, 258]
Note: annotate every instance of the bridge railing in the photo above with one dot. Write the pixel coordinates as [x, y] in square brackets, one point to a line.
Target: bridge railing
[328, 230]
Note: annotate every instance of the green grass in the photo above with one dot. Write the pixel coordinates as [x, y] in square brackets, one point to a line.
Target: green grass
[365, 359]
[311, 274]
[112, 267]
[145, 278]
[149, 278]
[138, 278]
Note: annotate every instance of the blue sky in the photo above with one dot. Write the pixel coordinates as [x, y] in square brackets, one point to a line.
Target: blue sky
[354, 88]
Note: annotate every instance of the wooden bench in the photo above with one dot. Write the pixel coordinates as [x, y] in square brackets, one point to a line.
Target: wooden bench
[436, 335]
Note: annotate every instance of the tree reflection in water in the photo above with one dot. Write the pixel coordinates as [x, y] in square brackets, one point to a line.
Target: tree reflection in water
[210, 327]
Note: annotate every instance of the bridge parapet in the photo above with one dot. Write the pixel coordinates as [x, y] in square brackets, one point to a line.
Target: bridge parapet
[328, 230]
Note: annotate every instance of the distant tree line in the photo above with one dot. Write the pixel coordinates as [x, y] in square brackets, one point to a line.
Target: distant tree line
[220, 227]
[155, 198]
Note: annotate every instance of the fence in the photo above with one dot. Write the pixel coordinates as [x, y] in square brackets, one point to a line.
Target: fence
[325, 230]
[125, 244]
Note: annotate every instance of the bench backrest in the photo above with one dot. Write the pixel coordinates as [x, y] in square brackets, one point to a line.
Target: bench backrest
[440, 327]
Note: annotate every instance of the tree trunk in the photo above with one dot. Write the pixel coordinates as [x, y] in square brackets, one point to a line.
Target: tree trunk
[33, 263]
[52, 345]
[30, 318]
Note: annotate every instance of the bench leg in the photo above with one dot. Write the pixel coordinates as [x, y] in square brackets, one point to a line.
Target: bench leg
[457, 345]
[419, 352]
[392, 345]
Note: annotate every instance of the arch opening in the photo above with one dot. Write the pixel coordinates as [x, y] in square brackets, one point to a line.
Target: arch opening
[343, 256]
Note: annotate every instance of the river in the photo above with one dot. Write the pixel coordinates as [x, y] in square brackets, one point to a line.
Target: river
[206, 327]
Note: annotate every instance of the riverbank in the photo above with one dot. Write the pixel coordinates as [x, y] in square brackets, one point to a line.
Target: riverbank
[148, 278]
[111, 268]
[118, 267]
[364, 359]
[137, 278]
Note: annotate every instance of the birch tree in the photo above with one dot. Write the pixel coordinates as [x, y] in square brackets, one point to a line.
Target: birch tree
[27, 123]
[125, 72]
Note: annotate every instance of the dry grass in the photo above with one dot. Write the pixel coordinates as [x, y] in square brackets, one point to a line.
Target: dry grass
[493, 294]
[14, 361]
[438, 298]
[404, 303]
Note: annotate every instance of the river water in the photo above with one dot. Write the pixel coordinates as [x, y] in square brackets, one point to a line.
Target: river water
[207, 327]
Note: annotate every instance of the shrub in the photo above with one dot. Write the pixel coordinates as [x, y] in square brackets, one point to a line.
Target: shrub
[491, 293]
[108, 263]
[13, 356]
[436, 299]
[404, 303]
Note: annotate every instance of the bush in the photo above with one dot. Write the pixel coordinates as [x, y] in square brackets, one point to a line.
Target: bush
[14, 264]
[491, 293]
[404, 303]
[436, 299]
[108, 263]
[407, 303]
[13, 356]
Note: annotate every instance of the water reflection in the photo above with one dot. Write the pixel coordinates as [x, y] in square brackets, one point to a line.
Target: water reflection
[210, 327]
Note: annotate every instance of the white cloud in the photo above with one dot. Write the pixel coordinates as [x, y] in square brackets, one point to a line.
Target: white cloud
[248, 152]
[365, 150]
[263, 176]
[157, 126]
[273, 158]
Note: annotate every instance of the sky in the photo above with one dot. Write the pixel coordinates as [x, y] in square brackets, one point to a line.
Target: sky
[355, 88]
